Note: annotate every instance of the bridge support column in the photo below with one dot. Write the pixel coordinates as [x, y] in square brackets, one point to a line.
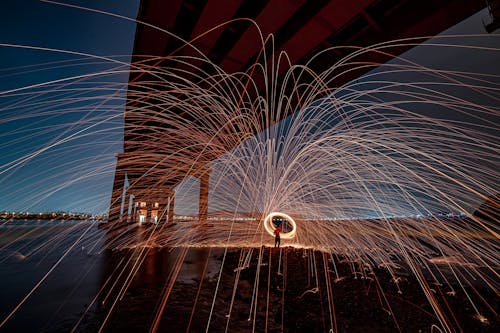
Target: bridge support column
[162, 209]
[171, 207]
[203, 204]
[133, 213]
[125, 216]
[115, 205]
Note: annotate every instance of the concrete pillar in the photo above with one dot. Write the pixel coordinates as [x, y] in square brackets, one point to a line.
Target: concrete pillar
[125, 215]
[171, 206]
[134, 211]
[148, 211]
[163, 210]
[203, 205]
[117, 193]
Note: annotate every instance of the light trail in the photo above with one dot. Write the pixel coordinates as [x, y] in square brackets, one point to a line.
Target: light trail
[268, 225]
[40, 282]
[363, 170]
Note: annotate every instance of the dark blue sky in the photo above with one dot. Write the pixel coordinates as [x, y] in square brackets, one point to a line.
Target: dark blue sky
[77, 173]
[32, 22]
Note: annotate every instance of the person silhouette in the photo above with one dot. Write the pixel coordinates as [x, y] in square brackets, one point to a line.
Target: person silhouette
[277, 238]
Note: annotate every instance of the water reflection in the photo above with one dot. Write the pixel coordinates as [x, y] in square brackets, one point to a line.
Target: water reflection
[85, 284]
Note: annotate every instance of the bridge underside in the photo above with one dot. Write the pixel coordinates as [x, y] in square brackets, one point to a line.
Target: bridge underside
[158, 154]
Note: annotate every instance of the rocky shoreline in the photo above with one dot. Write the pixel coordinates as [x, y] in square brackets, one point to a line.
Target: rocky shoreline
[292, 297]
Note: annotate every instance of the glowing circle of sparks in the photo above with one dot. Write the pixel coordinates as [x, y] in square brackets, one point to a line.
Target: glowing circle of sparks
[268, 225]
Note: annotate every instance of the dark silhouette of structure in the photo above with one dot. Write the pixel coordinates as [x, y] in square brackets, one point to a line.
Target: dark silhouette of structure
[494, 8]
[301, 28]
[490, 209]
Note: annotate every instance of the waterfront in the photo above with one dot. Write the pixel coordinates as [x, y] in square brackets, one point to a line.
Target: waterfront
[291, 294]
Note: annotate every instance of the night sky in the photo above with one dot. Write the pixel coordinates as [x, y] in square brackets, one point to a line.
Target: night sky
[55, 180]
[77, 175]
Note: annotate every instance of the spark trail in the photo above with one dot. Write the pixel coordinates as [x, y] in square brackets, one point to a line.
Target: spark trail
[365, 169]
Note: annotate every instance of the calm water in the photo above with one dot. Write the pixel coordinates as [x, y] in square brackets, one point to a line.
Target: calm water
[30, 249]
